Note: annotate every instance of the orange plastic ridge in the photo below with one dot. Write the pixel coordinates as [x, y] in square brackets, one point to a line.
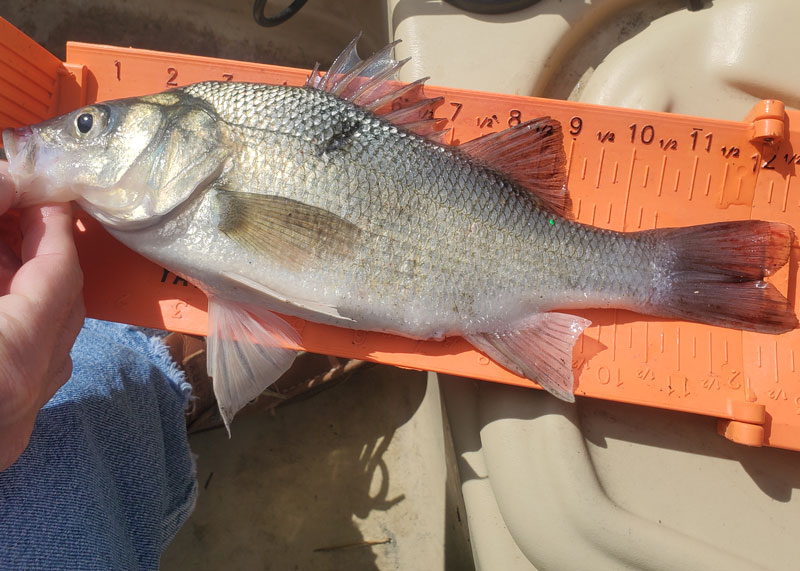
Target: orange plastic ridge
[628, 170]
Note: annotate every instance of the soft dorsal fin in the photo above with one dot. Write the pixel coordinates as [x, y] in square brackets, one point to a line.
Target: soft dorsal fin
[371, 84]
[532, 155]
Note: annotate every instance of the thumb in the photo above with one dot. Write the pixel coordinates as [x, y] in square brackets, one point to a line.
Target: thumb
[8, 189]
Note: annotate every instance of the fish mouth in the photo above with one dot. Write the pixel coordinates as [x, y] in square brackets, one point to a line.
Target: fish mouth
[22, 150]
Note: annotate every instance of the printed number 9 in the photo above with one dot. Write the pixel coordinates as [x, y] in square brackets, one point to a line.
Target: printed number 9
[576, 124]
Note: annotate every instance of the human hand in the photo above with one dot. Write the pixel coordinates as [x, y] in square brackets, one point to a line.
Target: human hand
[41, 313]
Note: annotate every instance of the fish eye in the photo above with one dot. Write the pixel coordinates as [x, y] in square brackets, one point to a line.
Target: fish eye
[84, 122]
[91, 121]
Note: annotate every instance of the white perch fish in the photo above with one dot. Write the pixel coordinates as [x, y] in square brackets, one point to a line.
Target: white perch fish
[325, 203]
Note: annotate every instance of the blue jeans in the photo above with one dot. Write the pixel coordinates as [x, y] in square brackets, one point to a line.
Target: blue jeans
[107, 479]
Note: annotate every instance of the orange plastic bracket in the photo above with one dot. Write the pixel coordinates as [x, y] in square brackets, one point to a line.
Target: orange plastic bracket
[628, 170]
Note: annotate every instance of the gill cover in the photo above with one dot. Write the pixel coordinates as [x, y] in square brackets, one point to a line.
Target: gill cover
[182, 155]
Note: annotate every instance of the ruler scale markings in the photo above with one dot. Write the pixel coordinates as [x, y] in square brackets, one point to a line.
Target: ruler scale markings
[661, 175]
[739, 188]
[614, 339]
[771, 190]
[694, 176]
[722, 186]
[569, 157]
[710, 356]
[775, 365]
[583, 169]
[600, 167]
[628, 193]
[708, 184]
[786, 192]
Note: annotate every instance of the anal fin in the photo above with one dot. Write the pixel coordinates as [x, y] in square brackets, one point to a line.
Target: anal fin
[248, 350]
[538, 348]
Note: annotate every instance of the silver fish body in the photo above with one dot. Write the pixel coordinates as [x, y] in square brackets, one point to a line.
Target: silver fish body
[304, 201]
[439, 245]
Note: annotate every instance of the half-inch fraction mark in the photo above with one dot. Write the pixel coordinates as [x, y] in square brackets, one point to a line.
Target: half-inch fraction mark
[792, 160]
[487, 121]
[729, 152]
[457, 110]
[668, 144]
[604, 136]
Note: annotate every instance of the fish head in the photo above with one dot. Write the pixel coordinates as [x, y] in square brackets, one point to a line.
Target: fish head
[127, 162]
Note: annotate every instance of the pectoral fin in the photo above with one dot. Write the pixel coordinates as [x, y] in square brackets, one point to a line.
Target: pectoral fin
[539, 348]
[280, 228]
[248, 350]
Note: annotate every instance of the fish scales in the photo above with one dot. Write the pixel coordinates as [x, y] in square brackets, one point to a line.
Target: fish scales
[438, 229]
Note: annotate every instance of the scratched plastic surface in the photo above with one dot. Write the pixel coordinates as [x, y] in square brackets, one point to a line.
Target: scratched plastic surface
[628, 170]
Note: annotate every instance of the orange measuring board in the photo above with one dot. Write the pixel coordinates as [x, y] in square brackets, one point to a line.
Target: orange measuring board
[628, 170]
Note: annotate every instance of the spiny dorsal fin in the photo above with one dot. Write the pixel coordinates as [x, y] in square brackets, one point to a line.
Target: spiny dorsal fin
[531, 154]
[370, 84]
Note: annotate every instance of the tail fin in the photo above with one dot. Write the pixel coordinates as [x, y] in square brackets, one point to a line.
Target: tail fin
[715, 275]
